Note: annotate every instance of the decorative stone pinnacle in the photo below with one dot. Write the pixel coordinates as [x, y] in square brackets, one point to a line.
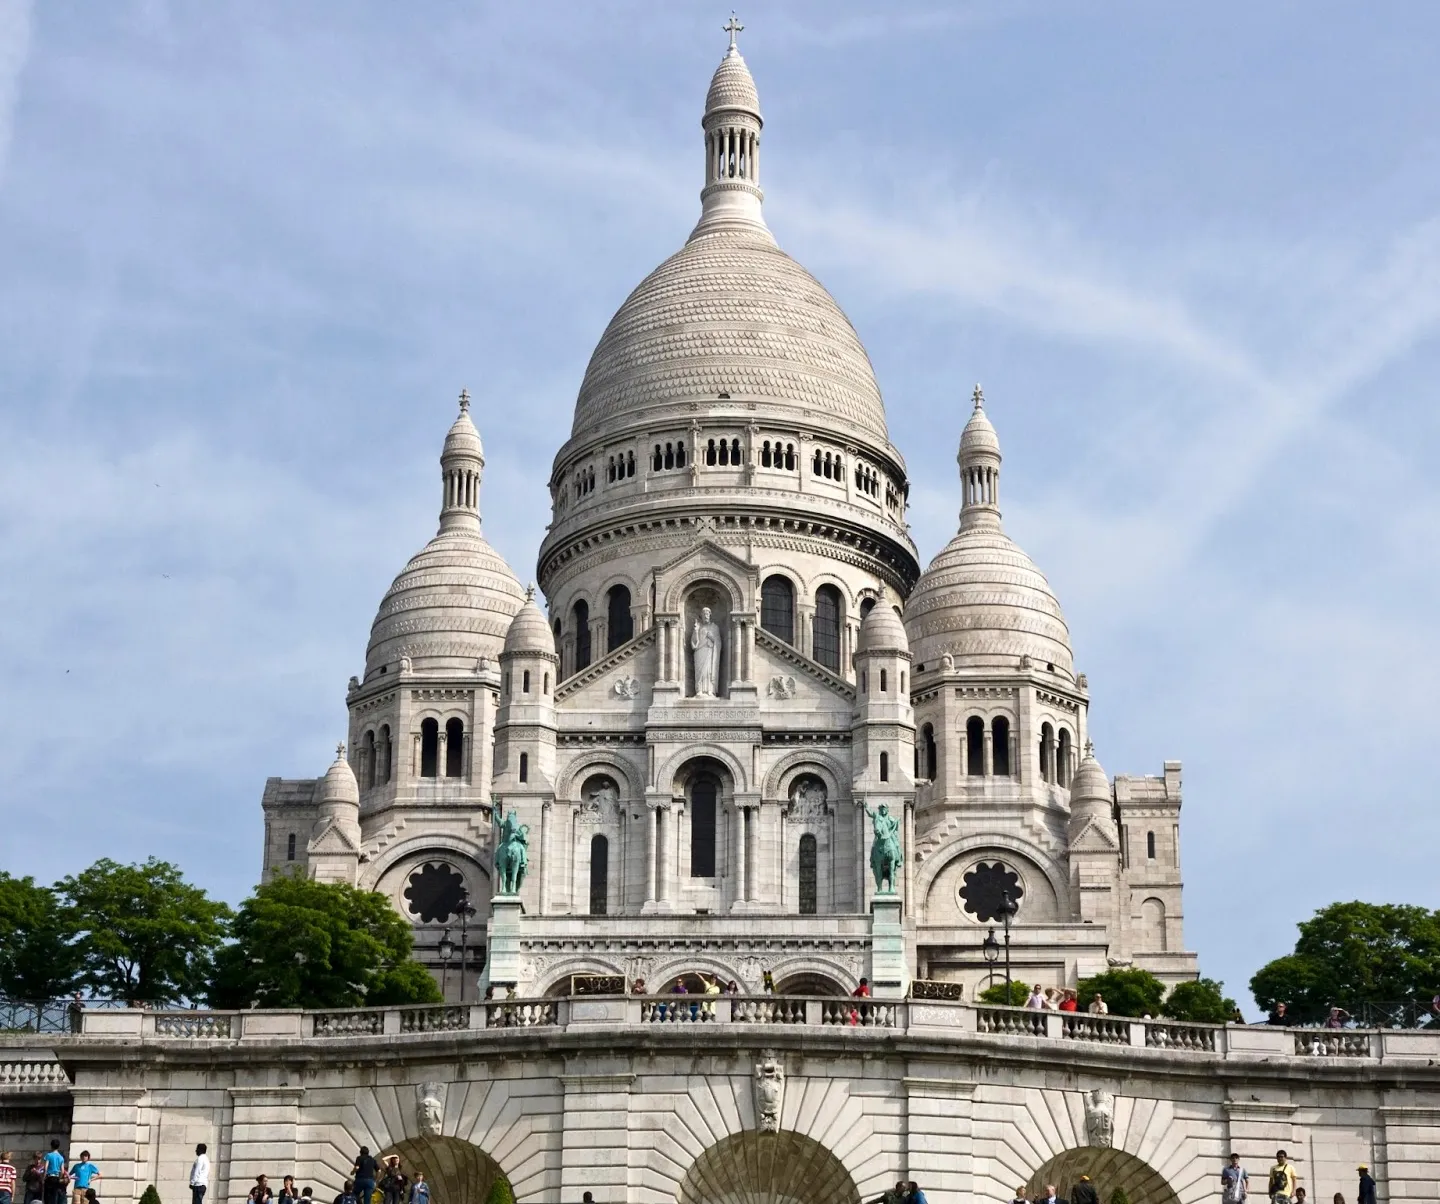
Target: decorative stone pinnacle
[978, 397]
[340, 751]
[1089, 748]
[530, 592]
[732, 27]
[464, 400]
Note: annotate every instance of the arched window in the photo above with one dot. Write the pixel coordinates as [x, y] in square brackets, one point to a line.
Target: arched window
[369, 756]
[1152, 925]
[710, 452]
[1000, 745]
[790, 457]
[630, 464]
[828, 612]
[525, 682]
[1062, 759]
[927, 752]
[1150, 845]
[808, 875]
[866, 606]
[290, 847]
[669, 455]
[1047, 752]
[884, 767]
[454, 748]
[429, 748]
[546, 690]
[815, 469]
[734, 451]
[680, 454]
[765, 454]
[599, 874]
[657, 459]
[619, 627]
[777, 608]
[580, 617]
[524, 767]
[385, 752]
[975, 746]
[702, 827]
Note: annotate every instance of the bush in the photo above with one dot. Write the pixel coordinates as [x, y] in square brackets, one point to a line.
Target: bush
[1127, 992]
[1119, 1196]
[150, 1195]
[500, 1192]
[1203, 1001]
[1019, 992]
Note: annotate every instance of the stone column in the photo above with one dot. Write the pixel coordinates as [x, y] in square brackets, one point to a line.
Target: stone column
[989, 751]
[741, 883]
[737, 650]
[907, 875]
[652, 850]
[547, 824]
[860, 854]
[751, 823]
[963, 768]
[664, 838]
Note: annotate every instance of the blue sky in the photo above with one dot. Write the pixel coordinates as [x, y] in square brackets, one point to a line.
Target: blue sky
[249, 254]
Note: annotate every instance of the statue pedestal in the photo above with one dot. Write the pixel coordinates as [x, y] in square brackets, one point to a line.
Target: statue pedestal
[889, 975]
[502, 963]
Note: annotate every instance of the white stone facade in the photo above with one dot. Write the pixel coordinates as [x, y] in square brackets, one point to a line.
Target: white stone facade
[730, 458]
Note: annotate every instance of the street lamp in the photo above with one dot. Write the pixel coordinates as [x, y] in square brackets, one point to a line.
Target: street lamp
[1008, 908]
[446, 949]
[990, 947]
[464, 909]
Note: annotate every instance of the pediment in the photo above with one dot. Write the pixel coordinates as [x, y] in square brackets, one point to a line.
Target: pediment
[619, 680]
[333, 840]
[706, 553]
[1095, 837]
[785, 678]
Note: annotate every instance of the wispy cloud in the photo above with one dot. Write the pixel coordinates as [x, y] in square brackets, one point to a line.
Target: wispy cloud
[15, 22]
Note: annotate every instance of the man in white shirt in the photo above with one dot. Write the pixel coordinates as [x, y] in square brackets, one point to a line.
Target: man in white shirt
[1234, 1182]
[199, 1175]
[1098, 1006]
[1036, 1002]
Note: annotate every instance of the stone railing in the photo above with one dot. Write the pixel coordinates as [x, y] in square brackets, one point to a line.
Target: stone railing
[33, 1074]
[925, 1019]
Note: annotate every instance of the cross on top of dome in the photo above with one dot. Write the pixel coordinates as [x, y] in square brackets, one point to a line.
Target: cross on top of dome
[464, 399]
[732, 27]
[978, 397]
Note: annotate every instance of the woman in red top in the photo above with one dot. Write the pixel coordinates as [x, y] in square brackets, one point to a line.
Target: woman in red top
[1070, 1003]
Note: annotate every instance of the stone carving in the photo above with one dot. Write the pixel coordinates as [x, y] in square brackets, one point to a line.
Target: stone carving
[1025, 661]
[885, 851]
[404, 664]
[947, 662]
[1099, 1118]
[1120, 962]
[807, 799]
[769, 1093]
[1082, 681]
[781, 686]
[601, 801]
[354, 684]
[512, 855]
[705, 646]
[430, 1108]
[627, 687]
[482, 665]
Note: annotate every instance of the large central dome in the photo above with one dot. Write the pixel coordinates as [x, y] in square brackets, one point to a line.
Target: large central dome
[731, 314]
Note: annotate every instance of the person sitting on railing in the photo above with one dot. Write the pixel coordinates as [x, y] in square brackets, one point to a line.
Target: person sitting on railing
[288, 1193]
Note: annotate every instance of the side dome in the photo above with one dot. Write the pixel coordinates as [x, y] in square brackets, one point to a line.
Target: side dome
[982, 600]
[882, 631]
[339, 784]
[452, 604]
[1089, 782]
[529, 634]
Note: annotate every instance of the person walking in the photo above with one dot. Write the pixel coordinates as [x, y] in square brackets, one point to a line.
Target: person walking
[365, 1172]
[1050, 1197]
[1365, 1193]
[1234, 1182]
[419, 1190]
[7, 1179]
[82, 1175]
[35, 1179]
[199, 1175]
[1282, 1180]
[54, 1174]
[1084, 1192]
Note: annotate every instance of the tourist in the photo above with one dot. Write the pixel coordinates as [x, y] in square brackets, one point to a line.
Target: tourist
[1020, 1196]
[347, 1193]
[1280, 1015]
[1071, 1002]
[1234, 1182]
[1098, 1006]
[767, 981]
[392, 1181]
[1300, 1195]
[7, 1179]
[733, 988]
[1282, 1180]
[305, 1194]
[587, 1198]
[261, 1193]
[365, 1172]
[54, 1191]
[1339, 1198]
[1337, 1018]
[199, 1175]
[1084, 1192]
[420, 1190]
[637, 987]
[712, 987]
[287, 1193]
[82, 1174]
[35, 1179]
[915, 1195]
[1365, 1193]
[91, 1197]
[898, 1195]
[1050, 1197]
[1036, 1002]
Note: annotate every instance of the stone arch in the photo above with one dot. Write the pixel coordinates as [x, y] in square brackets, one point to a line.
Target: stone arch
[668, 777]
[581, 965]
[792, 765]
[1108, 1169]
[570, 779]
[722, 578]
[945, 856]
[439, 843]
[813, 968]
[767, 1168]
[457, 1171]
[664, 972]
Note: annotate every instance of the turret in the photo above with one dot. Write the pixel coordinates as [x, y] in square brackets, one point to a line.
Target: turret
[334, 848]
[979, 460]
[1094, 844]
[525, 721]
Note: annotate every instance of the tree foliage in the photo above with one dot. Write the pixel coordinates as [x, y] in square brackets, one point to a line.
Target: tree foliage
[150, 1195]
[1203, 1001]
[146, 935]
[1127, 992]
[38, 956]
[501, 1192]
[306, 944]
[1019, 992]
[1349, 954]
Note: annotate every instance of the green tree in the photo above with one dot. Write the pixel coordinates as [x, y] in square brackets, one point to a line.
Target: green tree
[150, 1195]
[501, 1192]
[302, 943]
[38, 957]
[1127, 992]
[1202, 1001]
[146, 935]
[1118, 1196]
[1353, 953]
[1019, 992]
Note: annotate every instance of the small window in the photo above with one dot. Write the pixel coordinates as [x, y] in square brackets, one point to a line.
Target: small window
[808, 875]
[1062, 759]
[547, 684]
[524, 767]
[975, 746]
[1000, 745]
[599, 875]
[384, 752]
[619, 626]
[884, 767]
[580, 617]
[290, 847]
[702, 828]
[455, 748]
[927, 752]
[1047, 752]
[429, 748]
[525, 682]
[507, 685]
[866, 606]
[368, 756]
[1150, 845]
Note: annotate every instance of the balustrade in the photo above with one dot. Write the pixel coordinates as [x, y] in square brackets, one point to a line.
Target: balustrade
[33, 1074]
[349, 1024]
[194, 1025]
[1107, 1030]
[434, 1020]
[1170, 1035]
[1332, 1043]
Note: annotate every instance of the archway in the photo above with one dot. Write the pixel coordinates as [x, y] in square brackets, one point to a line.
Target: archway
[1108, 1170]
[458, 1172]
[767, 1168]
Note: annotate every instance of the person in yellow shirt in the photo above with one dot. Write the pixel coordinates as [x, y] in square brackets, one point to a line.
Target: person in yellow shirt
[1282, 1179]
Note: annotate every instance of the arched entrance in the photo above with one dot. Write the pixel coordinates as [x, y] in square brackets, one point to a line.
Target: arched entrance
[458, 1172]
[767, 1168]
[1108, 1170]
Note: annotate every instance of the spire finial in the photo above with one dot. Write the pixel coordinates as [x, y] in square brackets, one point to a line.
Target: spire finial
[978, 397]
[732, 27]
[530, 592]
[1089, 748]
[464, 400]
[340, 751]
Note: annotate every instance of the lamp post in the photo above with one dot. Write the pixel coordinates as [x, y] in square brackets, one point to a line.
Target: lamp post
[1008, 908]
[446, 949]
[990, 947]
[464, 909]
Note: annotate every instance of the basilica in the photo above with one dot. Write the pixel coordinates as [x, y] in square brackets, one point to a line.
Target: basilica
[735, 670]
